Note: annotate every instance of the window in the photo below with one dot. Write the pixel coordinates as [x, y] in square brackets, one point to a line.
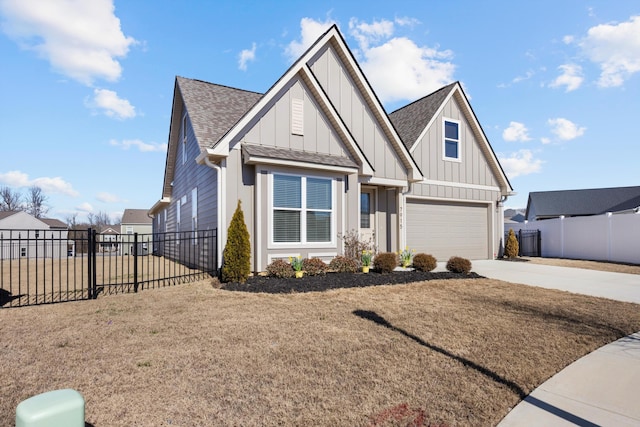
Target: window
[129, 229]
[184, 139]
[451, 139]
[365, 210]
[302, 209]
[194, 213]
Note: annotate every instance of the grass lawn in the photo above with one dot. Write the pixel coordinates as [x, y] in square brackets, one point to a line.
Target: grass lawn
[452, 352]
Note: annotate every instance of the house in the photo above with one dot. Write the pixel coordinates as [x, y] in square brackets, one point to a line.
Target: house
[317, 156]
[135, 221]
[25, 236]
[570, 203]
[108, 238]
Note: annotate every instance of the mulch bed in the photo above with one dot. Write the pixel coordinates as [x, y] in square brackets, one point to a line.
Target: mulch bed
[274, 285]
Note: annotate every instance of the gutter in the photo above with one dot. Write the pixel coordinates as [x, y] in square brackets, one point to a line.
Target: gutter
[218, 170]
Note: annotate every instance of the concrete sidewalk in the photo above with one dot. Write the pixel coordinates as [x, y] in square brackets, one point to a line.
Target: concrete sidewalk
[603, 387]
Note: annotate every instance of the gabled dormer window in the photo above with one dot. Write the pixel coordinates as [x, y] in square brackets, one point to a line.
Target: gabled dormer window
[451, 142]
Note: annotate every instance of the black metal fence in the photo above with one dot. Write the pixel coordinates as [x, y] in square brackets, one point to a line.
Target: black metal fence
[49, 266]
[529, 242]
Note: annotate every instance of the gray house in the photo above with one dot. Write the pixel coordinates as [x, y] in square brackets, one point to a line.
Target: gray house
[593, 201]
[317, 156]
[24, 236]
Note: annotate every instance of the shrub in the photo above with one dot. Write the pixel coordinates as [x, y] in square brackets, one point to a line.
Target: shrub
[512, 247]
[354, 246]
[459, 265]
[424, 262]
[280, 268]
[342, 264]
[236, 263]
[385, 262]
[314, 267]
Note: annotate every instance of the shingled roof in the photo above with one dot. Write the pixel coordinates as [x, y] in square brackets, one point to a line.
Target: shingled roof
[136, 216]
[214, 109]
[411, 119]
[597, 201]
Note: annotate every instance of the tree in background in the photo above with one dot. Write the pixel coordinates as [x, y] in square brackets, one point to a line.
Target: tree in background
[99, 220]
[10, 200]
[36, 202]
[236, 264]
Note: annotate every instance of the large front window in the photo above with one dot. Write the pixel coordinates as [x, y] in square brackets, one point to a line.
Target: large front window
[302, 209]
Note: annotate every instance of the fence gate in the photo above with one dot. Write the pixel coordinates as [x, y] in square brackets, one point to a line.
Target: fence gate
[529, 242]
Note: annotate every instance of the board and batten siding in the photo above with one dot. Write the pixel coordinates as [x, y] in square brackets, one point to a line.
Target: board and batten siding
[274, 127]
[473, 169]
[333, 77]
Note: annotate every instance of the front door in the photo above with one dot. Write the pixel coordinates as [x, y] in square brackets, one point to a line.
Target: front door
[367, 214]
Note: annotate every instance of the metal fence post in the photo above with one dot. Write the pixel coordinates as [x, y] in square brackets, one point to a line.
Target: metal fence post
[135, 262]
[89, 265]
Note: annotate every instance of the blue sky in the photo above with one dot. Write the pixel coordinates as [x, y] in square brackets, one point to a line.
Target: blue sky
[87, 86]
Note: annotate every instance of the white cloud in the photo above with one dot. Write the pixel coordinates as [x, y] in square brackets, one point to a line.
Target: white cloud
[47, 184]
[519, 163]
[80, 39]
[616, 49]
[565, 129]
[85, 207]
[571, 77]
[111, 104]
[310, 30]
[568, 39]
[245, 56]
[144, 147]
[516, 132]
[545, 140]
[397, 68]
[108, 197]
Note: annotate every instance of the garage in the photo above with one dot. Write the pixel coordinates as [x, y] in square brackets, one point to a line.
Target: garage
[445, 229]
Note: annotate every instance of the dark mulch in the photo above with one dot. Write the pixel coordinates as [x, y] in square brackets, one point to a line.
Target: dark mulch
[273, 285]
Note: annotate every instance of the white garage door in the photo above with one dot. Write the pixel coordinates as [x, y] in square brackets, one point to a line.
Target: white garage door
[448, 229]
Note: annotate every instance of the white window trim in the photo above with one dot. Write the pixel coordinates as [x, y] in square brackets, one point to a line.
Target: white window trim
[184, 139]
[303, 220]
[444, 139]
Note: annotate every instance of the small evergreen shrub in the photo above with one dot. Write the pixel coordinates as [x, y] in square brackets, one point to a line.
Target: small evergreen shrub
[424, 262]
[236, 264]
[512, 247]
[314, 267]
[385, 262]
[342, 264]
[280, 268]
[459, 265]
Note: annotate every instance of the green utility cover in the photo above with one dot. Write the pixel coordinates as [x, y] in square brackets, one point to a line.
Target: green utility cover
[58, 408]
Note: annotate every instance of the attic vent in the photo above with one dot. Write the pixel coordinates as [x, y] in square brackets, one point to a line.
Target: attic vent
[297, 116]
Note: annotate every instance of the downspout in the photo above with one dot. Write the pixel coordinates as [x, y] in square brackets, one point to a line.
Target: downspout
[403, 216]
[500, 213]
[218, 170]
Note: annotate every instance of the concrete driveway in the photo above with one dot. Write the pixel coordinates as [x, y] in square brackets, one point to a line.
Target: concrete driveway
[616, 286]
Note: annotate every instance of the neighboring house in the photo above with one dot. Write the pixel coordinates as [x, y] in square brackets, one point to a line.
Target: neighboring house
[108, 239]
[24, 236]
[569, 203]
[514, 219]
[317, 156]
[135, 221]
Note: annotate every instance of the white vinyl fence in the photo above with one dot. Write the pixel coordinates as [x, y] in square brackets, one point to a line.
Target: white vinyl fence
[606, 237]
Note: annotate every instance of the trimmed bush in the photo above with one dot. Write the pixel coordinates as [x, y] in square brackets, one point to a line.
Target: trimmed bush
[512, 247]
[280, 268]
[314, 267]
[385, 262]
[424, 262]
[236, 264]
[459, 265]
[342, 264]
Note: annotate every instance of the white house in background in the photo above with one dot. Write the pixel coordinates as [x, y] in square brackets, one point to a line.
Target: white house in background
[317, 156]
[24, 236]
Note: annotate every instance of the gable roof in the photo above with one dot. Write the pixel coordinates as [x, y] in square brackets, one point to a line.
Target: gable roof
[414, 120]
[596, 201]
[54, 223]
[136, 216]
[301, 68]
[7, 214]
[411, 119]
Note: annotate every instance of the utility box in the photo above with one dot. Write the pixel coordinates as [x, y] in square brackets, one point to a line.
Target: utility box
[58, 408]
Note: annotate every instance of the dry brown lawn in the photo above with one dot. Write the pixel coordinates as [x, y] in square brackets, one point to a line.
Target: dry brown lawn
[590, 265]
[457, 352]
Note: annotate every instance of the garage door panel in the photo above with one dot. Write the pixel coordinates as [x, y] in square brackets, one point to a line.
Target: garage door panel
[447, 229]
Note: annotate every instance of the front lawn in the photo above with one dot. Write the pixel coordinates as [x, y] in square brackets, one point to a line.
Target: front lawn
[453, 352]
